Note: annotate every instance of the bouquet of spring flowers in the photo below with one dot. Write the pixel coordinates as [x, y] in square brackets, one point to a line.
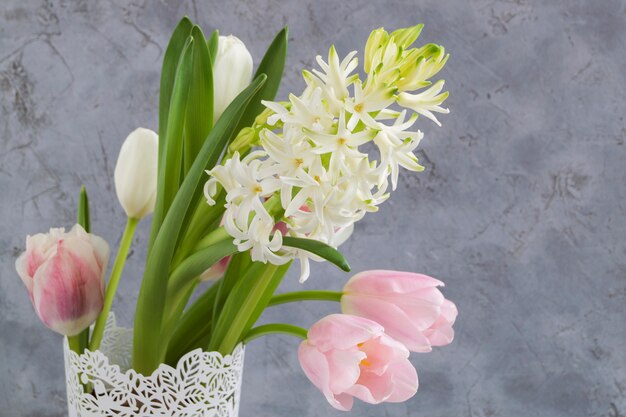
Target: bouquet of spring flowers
[240, 186]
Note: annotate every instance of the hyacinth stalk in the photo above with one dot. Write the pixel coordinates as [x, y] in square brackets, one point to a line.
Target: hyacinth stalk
[308, 153]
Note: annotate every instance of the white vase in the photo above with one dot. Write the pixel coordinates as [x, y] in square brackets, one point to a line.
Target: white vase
[202, 384]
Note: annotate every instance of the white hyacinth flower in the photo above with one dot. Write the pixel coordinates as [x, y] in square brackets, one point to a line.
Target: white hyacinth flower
[314, 161]
[427, 102]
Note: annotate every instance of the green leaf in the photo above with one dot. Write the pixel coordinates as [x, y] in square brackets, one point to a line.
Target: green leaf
[83, 210]
[80, 342]
[174, 307]
[213, 43]
[168, 76]
[236, 301]
[204, 220]
[199, 114]
[152, 296]
[170, 175]
[265, 298]
[171, 143]
[272, 65]
[238, 263]
[245, 304]
[318, 248]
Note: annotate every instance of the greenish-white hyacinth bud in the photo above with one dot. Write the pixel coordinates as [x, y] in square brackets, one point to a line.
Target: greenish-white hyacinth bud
[406, 36]
[377, 39]
[232, 71]
[136, 173]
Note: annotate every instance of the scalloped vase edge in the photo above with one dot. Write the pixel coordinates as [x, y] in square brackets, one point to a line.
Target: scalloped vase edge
[203, 384]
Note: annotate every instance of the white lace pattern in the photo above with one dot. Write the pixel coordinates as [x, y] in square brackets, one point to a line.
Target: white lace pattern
[202, 384]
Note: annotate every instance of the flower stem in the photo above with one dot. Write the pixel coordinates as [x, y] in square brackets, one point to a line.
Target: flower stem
[75, 343]
[114, 280]
[275, 328]
[291, 297]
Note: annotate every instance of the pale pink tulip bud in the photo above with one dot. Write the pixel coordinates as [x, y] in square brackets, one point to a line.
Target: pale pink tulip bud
[409, 306]
[347, 356]
[216, 270]
[64, 275]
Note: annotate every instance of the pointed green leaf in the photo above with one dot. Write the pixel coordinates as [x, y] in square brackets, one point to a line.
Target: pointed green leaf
[199, 114]
[213, 43]
[318, 248]
[237, 265]
[244, 304]
[81, 341]
[168, 73]
[171, 164]
[267, 295]
[171, 141]
[83, 210]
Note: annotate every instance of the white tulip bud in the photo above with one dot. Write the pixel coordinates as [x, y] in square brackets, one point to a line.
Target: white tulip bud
[136, 173]
[232, 71]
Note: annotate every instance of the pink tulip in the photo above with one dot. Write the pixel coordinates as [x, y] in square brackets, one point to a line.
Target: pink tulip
[347, 356]
[409, 306]
[64, 276]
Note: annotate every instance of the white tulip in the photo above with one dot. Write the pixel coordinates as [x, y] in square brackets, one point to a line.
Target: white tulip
[136, 173]
[232, 71]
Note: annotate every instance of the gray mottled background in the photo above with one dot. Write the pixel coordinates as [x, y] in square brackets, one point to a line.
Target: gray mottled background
[520, 211]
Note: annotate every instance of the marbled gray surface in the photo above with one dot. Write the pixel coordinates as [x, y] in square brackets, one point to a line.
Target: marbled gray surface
[520, 211]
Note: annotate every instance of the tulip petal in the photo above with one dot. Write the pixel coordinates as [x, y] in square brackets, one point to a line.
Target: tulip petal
[393, 319]
[341, 331]
[372, 388]
[441, 332]
[38, 248]
[101, 251]
[382, 351]
[344, 368]
[404, 379]
[135, 174]
[316, 368]
[386, 282]
[22, 271]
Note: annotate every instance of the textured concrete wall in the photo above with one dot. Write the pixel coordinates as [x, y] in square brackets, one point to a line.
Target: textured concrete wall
[520, 211]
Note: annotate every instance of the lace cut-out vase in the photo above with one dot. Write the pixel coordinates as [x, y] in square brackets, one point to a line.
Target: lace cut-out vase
[203, 384]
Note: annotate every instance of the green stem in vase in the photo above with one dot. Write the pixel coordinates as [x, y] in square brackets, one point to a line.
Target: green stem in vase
[275, 328]
[114, 280]
[291, 297]
[75, 343]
